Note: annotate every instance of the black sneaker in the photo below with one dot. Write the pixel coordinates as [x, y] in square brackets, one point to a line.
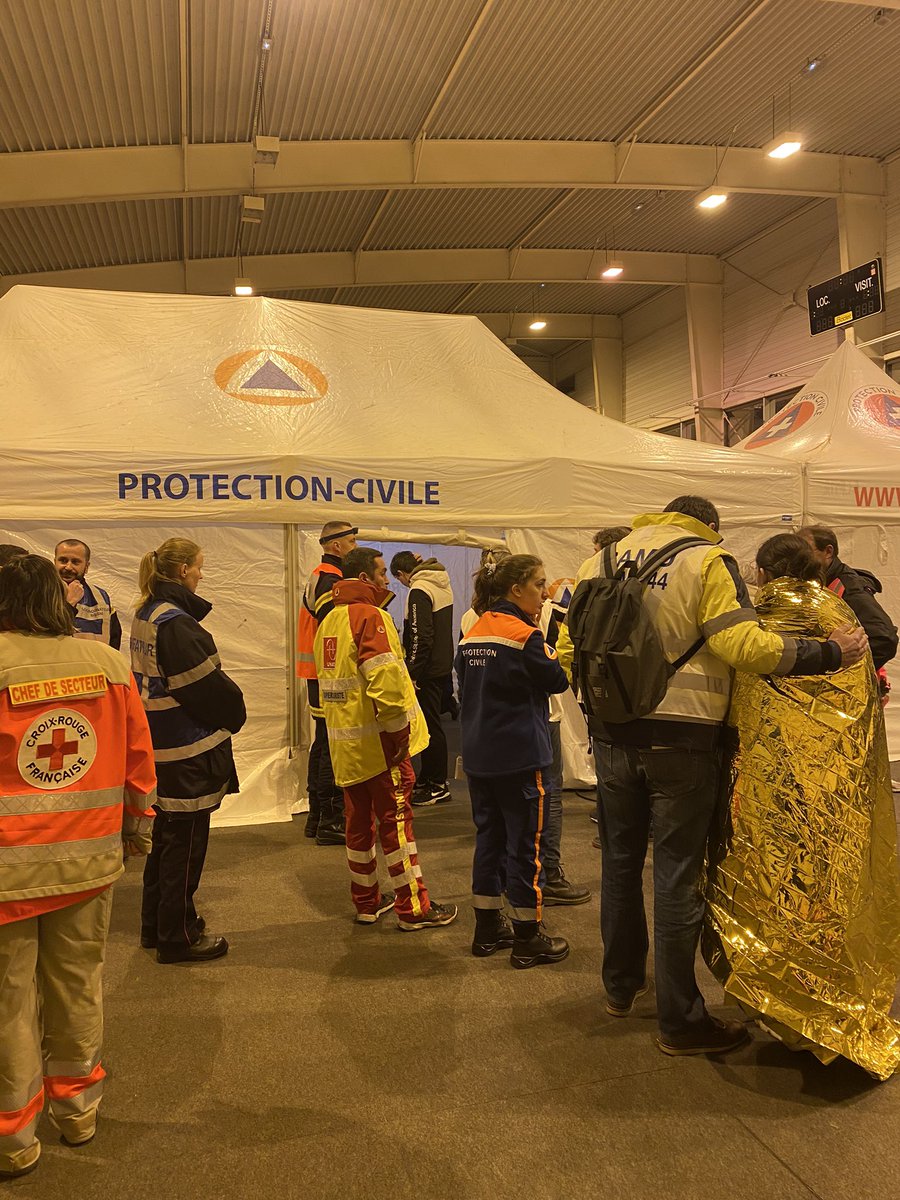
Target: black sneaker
[616, 1008]
[422, 797]
[438, 914]
[533, 951]
[488, 941]
[440, 793]
[385, 904]
[712, 1037]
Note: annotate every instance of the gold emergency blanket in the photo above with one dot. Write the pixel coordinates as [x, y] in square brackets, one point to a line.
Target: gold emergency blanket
[803, 899]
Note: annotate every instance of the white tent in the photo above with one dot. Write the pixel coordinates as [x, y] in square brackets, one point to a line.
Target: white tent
[247, 423]
[843, 428]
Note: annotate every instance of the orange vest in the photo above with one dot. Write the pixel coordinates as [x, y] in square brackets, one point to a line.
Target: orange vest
[307, 625]
[76, 765]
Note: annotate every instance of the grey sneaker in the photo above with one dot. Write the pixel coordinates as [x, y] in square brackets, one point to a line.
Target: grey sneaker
[385, 904]
[438, 914]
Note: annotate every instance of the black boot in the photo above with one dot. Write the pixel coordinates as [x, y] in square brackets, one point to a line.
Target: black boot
[331, 821]
[492, 932]
[531, 946]
[558, 890]
[312, 819]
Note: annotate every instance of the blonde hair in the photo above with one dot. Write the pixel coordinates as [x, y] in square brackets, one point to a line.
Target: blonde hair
[161, 565]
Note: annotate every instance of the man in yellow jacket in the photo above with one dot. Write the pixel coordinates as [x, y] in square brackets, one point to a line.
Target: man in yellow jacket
[665, 766]
[374, 725]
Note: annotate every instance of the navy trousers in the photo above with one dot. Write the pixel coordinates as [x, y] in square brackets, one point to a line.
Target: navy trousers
[509, 813]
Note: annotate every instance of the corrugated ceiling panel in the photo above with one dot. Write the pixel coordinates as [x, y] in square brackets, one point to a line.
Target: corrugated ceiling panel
[88, 235]
[224, 47]
[419, 297]
[667, 221]
[293, 223]
[764, 332]
[609, 298]
[452, 218]
[310, 295]
[658, 386]
[88, 73]
[345, 69]
[568, 69]
[892, 228]
[737, 87]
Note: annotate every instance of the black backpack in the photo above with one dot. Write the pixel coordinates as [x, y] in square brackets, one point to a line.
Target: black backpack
[620, 671]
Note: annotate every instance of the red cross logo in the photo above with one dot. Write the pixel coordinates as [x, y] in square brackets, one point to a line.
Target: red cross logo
[57, 750]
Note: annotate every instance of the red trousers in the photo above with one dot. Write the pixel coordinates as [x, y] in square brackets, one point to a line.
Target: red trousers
[385, 798]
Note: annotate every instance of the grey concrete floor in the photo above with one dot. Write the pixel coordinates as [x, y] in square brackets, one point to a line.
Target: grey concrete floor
[325, 1059]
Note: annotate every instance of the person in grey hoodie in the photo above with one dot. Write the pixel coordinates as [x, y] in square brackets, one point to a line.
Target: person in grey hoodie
[428, 645]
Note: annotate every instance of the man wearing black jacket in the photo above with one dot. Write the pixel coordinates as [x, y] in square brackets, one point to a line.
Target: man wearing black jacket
[428, 645]
[858, 589]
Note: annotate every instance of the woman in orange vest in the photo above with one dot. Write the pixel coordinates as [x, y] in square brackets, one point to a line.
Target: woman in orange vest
[76, 778]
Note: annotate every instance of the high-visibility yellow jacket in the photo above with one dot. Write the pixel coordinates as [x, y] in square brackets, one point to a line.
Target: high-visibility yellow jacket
[697, 594]
[366, 693]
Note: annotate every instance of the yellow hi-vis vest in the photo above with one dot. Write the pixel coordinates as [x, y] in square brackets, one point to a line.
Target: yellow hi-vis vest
[365, 688]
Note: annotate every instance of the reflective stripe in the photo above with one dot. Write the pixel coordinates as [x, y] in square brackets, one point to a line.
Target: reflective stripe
[361, 856]
[78, 1070]
[70, 1096]
[737, 616]
[488, 902]
[336, 685]
[16, 806]
[410, 875]
[177, 753]
[56, 851]
[160, 702]
[397, 856]
[195, 673]
[191, 804]
[15, 1101]
[700, 683]
[379, 660]
[525, 914]
[354, 732]
[17, 1125]
[493, 641]
[788, 657]
[306, 658]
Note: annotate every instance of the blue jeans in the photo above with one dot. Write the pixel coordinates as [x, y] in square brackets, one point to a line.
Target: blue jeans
[679, 788]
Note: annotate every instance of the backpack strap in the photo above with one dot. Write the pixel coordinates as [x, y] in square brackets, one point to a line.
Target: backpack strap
[654, 561]
[608, 566]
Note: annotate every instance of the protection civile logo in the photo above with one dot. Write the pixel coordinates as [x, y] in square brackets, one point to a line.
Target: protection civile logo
[790, 420]
[269, 376]
[57, 749]
[877, 407]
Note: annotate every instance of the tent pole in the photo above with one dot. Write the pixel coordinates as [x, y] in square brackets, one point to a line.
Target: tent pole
[804, 493]
[291, 616]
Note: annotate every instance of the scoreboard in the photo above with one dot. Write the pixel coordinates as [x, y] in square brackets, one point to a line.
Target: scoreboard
[857, 293]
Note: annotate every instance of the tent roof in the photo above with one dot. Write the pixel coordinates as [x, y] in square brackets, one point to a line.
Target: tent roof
[149, 382]
[847, 415]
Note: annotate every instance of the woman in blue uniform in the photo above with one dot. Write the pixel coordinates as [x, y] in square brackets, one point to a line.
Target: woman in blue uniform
[506, 673]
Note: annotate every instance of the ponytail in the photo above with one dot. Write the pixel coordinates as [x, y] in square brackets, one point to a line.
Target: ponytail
[161, 566]
[498, 573]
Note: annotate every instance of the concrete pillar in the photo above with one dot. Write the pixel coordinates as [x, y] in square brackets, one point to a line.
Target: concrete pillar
[861, 231]
[609, 376]
[705, 339]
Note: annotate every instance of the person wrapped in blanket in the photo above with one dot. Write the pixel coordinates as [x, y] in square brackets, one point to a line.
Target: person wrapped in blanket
[803, 898]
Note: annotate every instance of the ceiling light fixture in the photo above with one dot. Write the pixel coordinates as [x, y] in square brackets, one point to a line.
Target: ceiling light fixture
[266, 149]
[612, 271]
[242, 287]
[812, 64]
[713, 197]
[537, 325]
[265, 43]
[252, 209]
[784, 145]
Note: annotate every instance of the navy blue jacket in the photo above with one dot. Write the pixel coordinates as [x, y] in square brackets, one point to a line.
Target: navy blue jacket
[506, 672]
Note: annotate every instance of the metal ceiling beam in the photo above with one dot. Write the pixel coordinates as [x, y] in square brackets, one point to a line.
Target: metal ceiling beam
[285, 272]
[149, 172]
